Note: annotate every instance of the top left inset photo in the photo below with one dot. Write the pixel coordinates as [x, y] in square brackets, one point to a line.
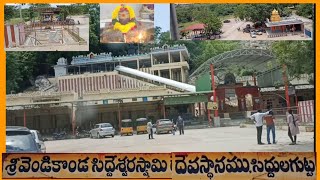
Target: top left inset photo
[46, 27]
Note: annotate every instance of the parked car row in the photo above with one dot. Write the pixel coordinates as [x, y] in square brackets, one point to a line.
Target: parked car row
[127, 128]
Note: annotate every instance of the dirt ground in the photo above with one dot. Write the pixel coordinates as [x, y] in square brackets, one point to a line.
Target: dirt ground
[223, 139]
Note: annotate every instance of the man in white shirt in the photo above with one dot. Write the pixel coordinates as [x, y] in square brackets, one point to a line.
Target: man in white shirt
[258, 120]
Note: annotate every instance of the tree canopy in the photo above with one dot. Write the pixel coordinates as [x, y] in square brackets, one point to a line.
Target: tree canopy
[305, 10]
[8, 12]
[298, 56]
[260, 12]
[210, 19]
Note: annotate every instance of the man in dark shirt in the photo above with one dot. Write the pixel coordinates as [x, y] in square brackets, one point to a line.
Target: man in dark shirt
[270, 127]
[180, 124]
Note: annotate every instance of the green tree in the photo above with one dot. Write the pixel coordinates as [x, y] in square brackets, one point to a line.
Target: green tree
[20, 68]
[94, 33]
[211, 21]
[164, 38]
[183, 13]
[305, 10]
[8, 12]
[259, 12]
[297, 55]
[157, 32]
[208, 49]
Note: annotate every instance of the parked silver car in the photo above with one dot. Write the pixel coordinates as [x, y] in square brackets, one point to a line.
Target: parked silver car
[39, 140]
[102, 130]
[164, 125]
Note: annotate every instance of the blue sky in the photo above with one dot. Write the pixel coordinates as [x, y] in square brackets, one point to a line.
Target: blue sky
[162, 16]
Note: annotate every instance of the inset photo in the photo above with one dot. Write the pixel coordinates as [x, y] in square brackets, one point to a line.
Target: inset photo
[127, 23]
[244, 21]
[46, 27]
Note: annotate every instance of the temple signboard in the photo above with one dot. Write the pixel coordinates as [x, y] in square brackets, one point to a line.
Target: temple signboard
[185, 100]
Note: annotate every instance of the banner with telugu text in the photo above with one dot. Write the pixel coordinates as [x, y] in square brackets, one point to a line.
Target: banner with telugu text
[178, 166]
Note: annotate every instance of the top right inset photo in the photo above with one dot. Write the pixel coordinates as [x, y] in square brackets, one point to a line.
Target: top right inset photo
[244, 21]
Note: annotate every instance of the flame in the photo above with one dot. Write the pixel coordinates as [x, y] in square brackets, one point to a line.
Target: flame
[137, 37]
[140, 36]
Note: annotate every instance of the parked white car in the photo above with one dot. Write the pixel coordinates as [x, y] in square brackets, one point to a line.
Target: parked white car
[102, 130]
[39, 140]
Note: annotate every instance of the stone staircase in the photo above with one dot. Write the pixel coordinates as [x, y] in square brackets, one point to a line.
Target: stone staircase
[237, 115]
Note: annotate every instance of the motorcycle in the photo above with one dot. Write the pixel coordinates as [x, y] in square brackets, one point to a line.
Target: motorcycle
[59, 136]
[82, 134]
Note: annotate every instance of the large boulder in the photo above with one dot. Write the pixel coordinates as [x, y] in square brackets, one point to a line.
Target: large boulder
[42, 83]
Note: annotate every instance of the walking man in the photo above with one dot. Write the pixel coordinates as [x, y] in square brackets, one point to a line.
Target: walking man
[149, 129]
[258, 120]
[270, 127]
[293, 127]
[180, 124]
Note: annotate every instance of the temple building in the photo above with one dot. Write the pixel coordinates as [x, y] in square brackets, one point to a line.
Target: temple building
[278, 26]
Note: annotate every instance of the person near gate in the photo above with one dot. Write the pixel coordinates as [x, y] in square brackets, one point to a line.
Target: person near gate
[270, 127]
[293, 128]
[258, 120]
[180, 124]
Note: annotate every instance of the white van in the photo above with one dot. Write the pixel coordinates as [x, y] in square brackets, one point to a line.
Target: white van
[39, 140]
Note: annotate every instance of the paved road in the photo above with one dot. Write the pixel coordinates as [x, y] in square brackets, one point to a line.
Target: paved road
[226, 139]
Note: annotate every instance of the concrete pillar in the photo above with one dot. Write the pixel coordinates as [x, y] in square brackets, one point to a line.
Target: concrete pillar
[24, 118]
[169, 57]
[138, 64]
[170, 73]
[159, 73]
[151, 60]
[73, 118]
[181, 57]
[182, 75]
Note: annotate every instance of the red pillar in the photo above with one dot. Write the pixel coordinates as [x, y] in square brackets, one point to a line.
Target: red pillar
[213, 89]
[285, 80]
[164, 110]
[24, 118]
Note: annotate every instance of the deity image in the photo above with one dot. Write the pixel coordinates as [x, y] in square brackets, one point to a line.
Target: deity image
[126, 26]
[123, 19]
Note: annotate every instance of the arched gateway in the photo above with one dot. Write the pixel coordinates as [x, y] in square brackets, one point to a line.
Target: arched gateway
[232, 96]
